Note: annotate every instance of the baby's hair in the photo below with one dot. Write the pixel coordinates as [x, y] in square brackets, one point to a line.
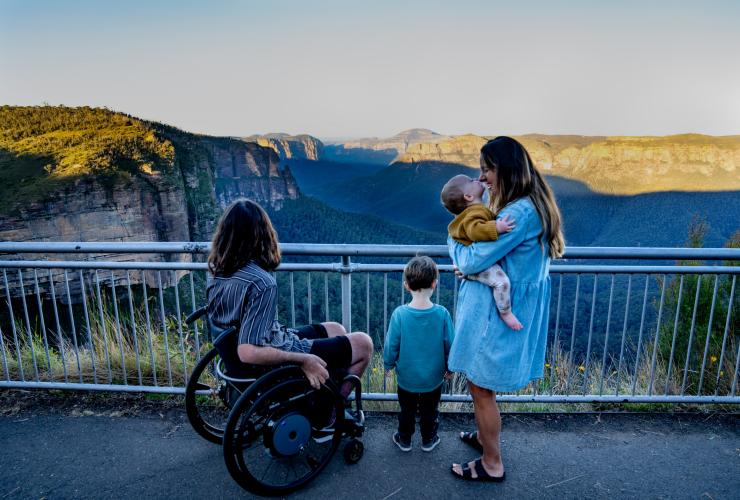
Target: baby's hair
[420, 273]
[453, 197]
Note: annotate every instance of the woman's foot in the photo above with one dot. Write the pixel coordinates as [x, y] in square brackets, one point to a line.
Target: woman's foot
[511, 321]
[471, 439]
[477, 470]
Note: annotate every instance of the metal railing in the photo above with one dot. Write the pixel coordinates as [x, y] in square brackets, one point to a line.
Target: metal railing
[618, 333]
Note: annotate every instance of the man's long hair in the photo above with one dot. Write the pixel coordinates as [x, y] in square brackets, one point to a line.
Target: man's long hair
[243, 234]
[517, 178]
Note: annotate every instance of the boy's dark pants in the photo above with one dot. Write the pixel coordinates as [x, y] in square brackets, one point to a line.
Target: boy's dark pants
[427, 404]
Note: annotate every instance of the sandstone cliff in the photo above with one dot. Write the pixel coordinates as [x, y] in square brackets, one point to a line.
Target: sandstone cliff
[392, 146]
[82, 174]
[299, 147]
[617, 165]
[464, 149]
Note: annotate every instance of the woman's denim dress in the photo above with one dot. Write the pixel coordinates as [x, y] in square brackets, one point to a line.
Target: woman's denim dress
[491, 354]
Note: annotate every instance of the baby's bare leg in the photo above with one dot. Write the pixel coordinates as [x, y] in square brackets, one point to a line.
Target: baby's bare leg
[496, 278]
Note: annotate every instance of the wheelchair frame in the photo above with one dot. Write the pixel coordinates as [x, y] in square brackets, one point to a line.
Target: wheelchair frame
[271, 415]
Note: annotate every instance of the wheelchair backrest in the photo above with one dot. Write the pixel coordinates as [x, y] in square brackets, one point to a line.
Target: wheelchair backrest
[226, 342]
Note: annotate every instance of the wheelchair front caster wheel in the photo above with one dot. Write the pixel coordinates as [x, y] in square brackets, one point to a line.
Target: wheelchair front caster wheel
[353, 451]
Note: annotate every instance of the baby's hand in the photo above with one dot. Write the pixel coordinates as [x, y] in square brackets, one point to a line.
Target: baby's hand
[448, 374]
[458, 274]
[505, 224]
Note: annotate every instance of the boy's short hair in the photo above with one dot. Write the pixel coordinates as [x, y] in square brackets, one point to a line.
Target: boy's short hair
[420, 272]
[453, 197]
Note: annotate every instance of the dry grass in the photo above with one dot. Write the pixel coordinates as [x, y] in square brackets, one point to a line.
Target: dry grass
[137, 355]
[565, 376]
[110, 352]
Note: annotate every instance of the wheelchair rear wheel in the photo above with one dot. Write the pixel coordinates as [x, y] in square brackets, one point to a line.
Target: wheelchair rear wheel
[207, 398]
[280, 438]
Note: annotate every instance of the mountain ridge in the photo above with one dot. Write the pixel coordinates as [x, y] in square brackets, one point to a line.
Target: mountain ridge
[615, 165]
[301, 146]
[94, 174]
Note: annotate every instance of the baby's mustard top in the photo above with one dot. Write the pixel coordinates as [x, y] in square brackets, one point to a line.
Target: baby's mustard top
[475, 223]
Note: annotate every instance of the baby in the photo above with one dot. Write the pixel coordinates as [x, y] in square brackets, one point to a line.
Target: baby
[463, 197]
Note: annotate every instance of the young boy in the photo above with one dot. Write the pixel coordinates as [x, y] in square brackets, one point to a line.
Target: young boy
[417, 345]
[463, 197]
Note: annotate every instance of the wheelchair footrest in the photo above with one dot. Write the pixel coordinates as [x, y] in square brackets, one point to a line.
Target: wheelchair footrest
[354, 424]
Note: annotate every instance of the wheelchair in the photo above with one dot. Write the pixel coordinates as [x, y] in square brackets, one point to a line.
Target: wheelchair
[277, 432]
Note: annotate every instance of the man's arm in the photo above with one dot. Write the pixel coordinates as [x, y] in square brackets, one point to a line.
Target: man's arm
[313, 366]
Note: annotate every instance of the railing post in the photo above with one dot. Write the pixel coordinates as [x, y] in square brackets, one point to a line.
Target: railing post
[346, 293]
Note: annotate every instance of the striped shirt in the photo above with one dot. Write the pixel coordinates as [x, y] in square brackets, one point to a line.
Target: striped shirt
[248, 300]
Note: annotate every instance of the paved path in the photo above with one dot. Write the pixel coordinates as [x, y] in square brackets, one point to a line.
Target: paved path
[547, 456]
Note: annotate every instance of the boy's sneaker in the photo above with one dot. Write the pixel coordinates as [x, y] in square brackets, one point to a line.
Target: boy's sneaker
[403, 445]
[431, 444]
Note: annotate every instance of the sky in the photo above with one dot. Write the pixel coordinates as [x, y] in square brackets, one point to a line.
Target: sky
[361, 69]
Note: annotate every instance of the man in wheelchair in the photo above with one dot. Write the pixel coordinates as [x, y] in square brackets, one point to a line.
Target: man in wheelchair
[275, 398]
[243, 293]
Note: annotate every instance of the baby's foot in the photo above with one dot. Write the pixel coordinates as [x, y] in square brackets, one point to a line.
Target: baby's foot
[511, 321]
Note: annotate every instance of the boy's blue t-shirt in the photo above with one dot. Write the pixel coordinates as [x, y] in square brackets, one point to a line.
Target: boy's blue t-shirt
[417, 345]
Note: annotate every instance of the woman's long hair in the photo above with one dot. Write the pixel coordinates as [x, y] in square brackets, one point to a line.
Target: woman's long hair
[518, 177]
[244, 234]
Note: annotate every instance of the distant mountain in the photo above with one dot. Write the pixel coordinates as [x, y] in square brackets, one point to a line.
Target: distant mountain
[463, 150]
[666, 181]
[91, 174]
[300, 147]
[377, 150]
[617, 165]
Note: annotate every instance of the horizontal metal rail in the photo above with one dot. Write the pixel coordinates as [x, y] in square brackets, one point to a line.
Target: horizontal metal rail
[384, 396]
[355, 268]
[637, 253]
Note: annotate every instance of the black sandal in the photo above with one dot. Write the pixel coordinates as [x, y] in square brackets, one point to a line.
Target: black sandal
[471, 439]
[480, 471]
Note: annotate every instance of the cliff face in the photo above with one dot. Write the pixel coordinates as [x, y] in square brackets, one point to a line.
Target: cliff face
[464, 149]
[617, 165]
[88, 211]
[299, 147]
[390, 147]
[253, 171]
[94, 175]
[633, 165]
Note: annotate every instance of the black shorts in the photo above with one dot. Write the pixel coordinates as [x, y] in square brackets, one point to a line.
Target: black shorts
[336, 351]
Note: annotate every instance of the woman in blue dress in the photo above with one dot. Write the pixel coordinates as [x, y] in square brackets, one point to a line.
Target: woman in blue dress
[492, 356]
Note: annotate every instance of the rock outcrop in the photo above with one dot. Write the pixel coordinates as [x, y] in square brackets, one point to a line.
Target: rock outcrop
[463, 149]
[617, 165]
[393, 147]
[299, 147]
[109, 184]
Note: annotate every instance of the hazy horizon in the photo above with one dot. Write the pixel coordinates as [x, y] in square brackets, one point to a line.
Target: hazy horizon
[353, 70]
